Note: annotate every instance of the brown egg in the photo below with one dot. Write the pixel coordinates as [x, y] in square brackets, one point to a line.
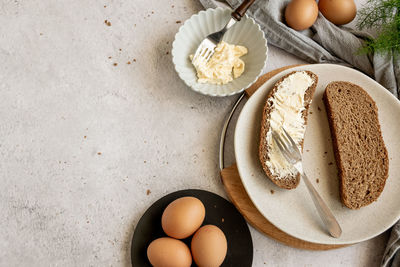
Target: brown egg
[301, 14]
[209, 246]
[169, 252]
[338, 12]
[182, 217]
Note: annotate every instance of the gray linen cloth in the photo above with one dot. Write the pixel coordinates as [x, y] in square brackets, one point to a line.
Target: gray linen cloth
[327, 43]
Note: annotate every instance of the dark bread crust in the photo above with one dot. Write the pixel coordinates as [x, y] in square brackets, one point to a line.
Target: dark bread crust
[288, 182]
[360, 152]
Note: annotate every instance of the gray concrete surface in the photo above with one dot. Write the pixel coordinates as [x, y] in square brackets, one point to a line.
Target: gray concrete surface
[86, 146]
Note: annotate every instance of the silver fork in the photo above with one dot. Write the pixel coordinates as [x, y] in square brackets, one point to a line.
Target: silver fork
[206, 48]
[292, 154]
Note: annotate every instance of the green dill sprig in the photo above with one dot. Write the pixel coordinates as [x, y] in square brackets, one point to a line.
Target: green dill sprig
[385, 17]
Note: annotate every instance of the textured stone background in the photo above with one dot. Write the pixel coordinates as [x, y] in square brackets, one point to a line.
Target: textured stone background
[87, 146]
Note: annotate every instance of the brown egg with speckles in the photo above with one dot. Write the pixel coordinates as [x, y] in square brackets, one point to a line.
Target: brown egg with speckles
[209, 246]
[338, 12]
[169, 252]
[301, 14]
[182, 217]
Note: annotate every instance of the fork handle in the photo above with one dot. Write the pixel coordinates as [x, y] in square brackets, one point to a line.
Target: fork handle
[324, 212]
[241, 10]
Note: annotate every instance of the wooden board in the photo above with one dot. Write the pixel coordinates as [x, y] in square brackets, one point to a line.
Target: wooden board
[238, 195]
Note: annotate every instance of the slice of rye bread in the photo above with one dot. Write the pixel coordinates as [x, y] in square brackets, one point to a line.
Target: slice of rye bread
[360, 152]
[288, 182]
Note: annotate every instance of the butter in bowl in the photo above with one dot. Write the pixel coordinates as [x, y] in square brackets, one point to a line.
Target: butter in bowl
[224, 65]
[237, 62]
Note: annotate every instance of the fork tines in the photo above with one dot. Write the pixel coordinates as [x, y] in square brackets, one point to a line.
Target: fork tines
[286, 145]
[204, 51]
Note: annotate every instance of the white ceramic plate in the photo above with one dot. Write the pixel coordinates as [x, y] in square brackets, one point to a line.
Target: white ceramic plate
[292, 211]
[246, 32]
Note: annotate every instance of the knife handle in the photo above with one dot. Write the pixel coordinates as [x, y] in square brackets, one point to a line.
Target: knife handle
[241, 10]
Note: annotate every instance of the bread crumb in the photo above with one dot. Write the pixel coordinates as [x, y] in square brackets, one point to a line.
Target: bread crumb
[172, 6]
[105, 6]
[326, 152]
[152, 12]
[115, 64]
[41, 33]
[222, 220]
[167, 53]
[148, 192]
[178, 21]
[144, 161]
[134, 60]
[98, 153]
[310, 112]
[330, 163]
[317, 180]
[84, 137]
[128, 62]
[307, 150]
[109, 57]
[167, 42]
[272, 191]
[120, 49]
[107, 23]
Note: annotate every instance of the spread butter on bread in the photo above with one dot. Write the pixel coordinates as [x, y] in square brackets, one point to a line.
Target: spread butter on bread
[360, 153]
[286, 106]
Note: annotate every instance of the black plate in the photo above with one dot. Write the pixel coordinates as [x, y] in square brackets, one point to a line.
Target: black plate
[219, 212]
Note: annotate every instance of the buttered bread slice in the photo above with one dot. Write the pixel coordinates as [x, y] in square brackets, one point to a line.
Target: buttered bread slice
[286, 106]
[360, 153]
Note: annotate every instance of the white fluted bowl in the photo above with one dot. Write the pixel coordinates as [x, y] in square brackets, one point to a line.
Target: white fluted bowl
[246, 32]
